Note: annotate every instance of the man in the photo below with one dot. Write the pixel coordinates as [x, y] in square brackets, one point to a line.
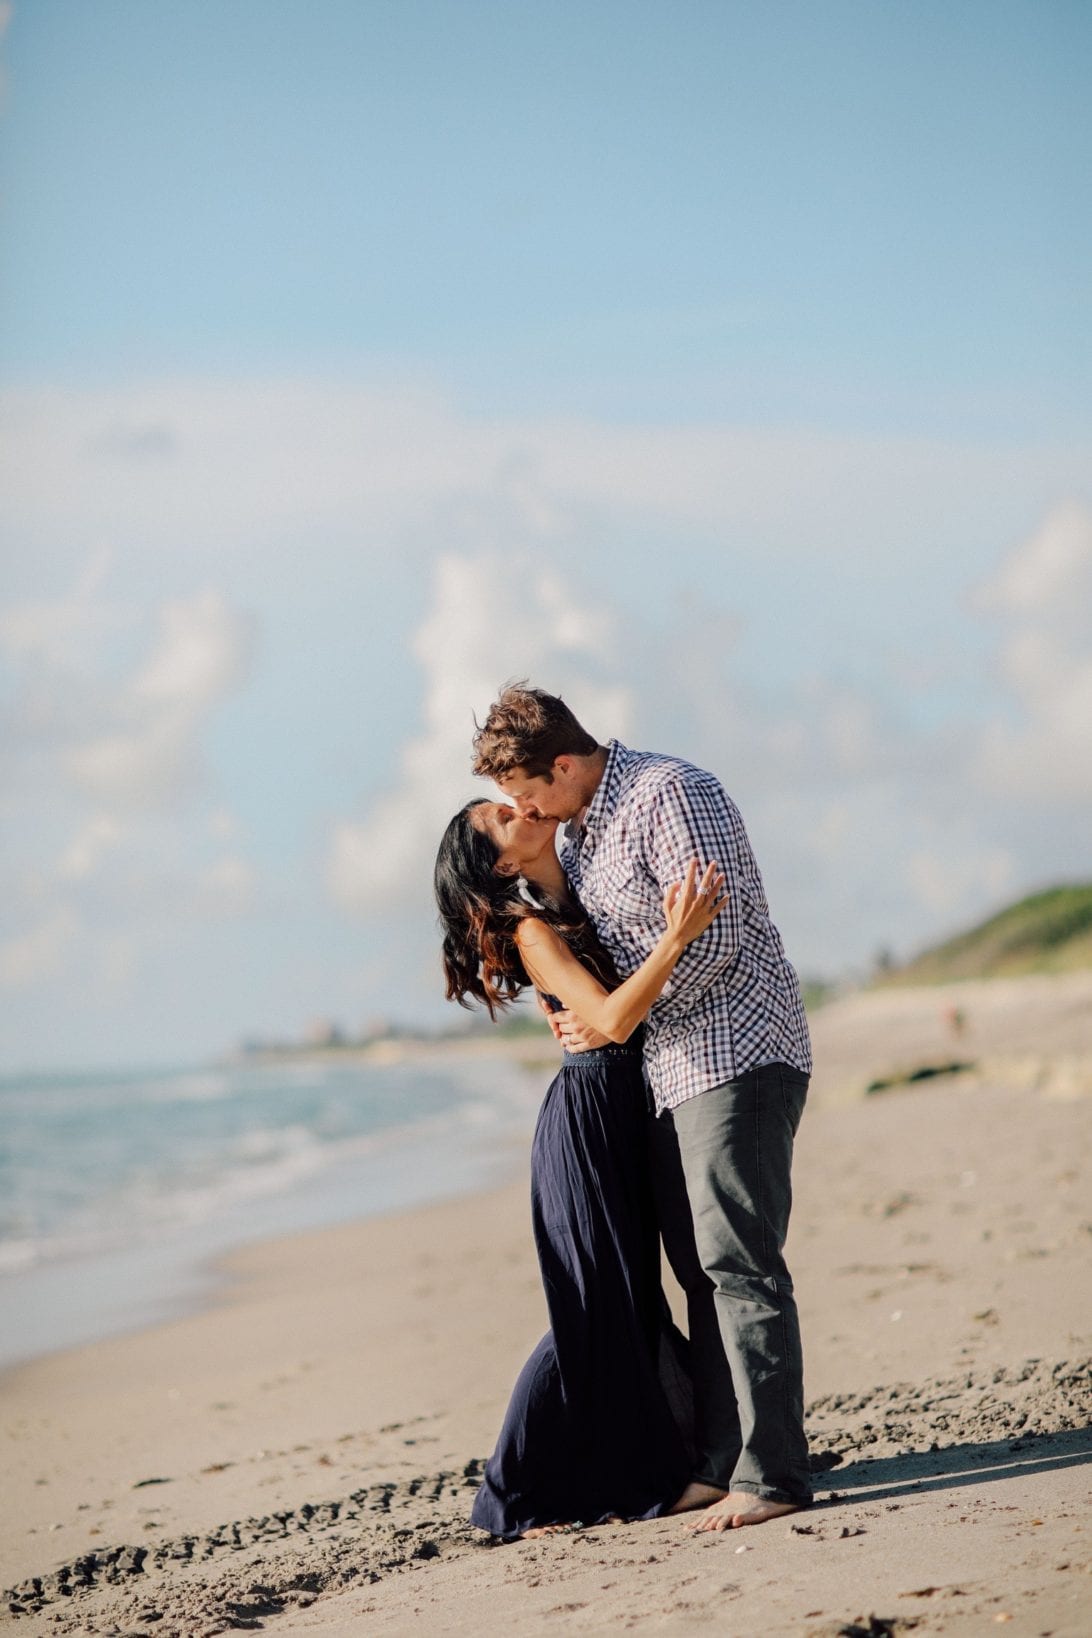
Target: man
[728, 1061]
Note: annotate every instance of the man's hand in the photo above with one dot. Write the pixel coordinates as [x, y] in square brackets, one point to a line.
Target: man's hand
[575, 1035]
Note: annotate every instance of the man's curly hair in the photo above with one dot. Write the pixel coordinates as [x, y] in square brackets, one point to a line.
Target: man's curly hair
[527, 729]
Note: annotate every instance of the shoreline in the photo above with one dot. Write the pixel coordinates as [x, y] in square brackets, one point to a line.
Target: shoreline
[318, 1428]
[865, 1040]
[203, 1280]
[162, 1268]
[298, 1453]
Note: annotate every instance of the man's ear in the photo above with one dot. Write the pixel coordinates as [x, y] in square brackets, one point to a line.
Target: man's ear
[505, 869]
[562, 764]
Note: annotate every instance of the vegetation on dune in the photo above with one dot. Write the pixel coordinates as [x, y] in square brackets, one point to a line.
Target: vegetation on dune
[924, 1072]
[1047, 932]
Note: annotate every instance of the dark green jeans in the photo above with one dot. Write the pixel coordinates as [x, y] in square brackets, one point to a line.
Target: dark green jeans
[721, 1166]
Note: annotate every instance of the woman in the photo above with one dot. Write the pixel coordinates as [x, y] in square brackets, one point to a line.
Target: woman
[597, 1426]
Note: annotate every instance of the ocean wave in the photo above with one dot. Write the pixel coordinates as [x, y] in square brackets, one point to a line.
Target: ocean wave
[198, 1087]
[126, 1185]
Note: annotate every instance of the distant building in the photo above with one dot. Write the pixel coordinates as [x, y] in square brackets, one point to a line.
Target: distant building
[378, 1029]
[323, 1032]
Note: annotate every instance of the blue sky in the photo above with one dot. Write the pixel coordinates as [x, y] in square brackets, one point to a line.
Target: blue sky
[628, 209]
[724, 364]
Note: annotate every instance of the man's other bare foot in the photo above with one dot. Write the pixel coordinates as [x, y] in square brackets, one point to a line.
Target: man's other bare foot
[697, 1495]
[738, 1508]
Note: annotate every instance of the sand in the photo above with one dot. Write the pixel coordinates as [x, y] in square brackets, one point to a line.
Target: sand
[300, 1457]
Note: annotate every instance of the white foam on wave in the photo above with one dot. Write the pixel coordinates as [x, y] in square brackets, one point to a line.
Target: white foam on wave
[133, 1245]
[185, 1186]
[197, 1087]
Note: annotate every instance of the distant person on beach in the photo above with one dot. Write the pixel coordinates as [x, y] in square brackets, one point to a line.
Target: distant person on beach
[728, 1060]
[598, 1423]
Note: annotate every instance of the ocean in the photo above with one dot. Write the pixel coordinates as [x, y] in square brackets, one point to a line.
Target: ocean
[117, 1190]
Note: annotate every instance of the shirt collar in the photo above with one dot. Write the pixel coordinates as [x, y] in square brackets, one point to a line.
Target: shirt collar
[603, 803]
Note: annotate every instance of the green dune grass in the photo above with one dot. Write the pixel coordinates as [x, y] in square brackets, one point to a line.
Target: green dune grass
[1048, 932]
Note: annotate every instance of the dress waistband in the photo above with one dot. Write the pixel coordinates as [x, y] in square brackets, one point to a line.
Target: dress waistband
[617, 1049]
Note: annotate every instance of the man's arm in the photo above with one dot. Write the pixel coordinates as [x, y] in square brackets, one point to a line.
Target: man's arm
[693, 819]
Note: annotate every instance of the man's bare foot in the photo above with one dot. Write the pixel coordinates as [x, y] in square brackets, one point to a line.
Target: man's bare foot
[545, 1530]
[696, 1495]
[738, 1508]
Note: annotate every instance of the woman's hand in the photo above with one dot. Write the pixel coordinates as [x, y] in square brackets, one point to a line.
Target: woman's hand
[576, 1036]
[573, 1034]
[690, 906]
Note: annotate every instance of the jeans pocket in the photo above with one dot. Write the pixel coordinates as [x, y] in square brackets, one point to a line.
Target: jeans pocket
[794, 1092]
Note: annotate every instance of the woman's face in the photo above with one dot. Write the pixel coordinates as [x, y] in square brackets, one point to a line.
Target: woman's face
[519, 840]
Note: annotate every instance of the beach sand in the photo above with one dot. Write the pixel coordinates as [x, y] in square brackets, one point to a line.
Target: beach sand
[300, 1457]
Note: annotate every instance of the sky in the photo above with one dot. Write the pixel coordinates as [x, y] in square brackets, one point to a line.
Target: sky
[723, 367]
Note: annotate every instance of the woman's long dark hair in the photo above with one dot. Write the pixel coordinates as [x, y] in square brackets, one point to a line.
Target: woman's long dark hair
[479, 913]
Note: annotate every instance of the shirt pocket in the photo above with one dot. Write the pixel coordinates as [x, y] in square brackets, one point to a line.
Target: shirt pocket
[626, 895]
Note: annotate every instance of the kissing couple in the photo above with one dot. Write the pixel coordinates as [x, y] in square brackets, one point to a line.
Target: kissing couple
[685, 1070]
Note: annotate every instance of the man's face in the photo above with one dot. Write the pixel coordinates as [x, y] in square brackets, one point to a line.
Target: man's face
[540, 798]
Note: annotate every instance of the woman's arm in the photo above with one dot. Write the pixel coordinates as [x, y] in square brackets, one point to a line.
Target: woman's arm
[690, 907]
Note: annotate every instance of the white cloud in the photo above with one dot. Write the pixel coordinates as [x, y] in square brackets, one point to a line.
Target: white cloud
[105, 753]
[130, 739]
[868, 825]
[230, 884]
[1041, 750]
[1050, 573]
[198, 655]
[224, 825]
[494, 616]
[959, 880]
[217, 469]
[114, 968]
[147, 751]
[40, 954]
[68, 631]
[884, 789]
[86, 850]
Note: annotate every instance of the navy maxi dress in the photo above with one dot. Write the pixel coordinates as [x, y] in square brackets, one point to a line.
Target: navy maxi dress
[600, 1420]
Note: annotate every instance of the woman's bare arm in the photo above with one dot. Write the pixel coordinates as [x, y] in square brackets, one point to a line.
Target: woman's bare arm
[690, 907]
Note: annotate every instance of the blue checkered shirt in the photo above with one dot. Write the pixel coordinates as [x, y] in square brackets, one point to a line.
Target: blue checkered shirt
[733, 1001]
